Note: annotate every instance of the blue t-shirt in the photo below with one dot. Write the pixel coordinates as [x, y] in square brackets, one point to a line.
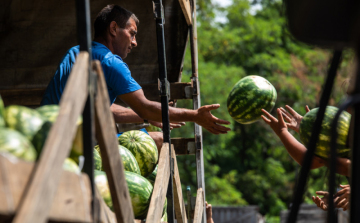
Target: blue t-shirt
[117, 74]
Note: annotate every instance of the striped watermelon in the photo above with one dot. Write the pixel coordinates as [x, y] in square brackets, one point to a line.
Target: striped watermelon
[2, 111]
[128, 159]
[25, 120]
[151, 178]
[152, 128]
[323, 145]
[143, 147]
[139, 188]
[40, 137]
[13, 142]
[97, 160]
[102, 185]
[164, 218]
[50, 113]
[71, 165]
[248, 97]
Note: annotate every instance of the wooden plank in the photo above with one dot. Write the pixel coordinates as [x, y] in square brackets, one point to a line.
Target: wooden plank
[160, 186]
[178, 91]
[106, 215]
[185, 6]
[113, 166]
[184, 146]
[47, 174]
[199, 206]
[71, 201]
[179, 203]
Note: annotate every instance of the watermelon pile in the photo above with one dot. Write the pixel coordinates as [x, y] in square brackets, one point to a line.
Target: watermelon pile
[248, 97]
[139, 155]
[23, 132]
[323, 145]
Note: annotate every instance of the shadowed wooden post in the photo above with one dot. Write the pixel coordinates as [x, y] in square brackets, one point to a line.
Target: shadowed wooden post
[199, 206]
[36, 203]
[179, 204]
[160, 186]
[112, 164]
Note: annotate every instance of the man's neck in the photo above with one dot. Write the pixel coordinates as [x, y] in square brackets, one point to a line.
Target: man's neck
[105, 42]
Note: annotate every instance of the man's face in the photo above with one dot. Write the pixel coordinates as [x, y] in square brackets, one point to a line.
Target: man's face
[125, 39]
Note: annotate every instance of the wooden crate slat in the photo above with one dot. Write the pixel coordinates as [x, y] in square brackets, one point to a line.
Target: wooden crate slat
[179, 203]
[199, 206]
[46, 177]
[112, 164]
[185, 6]
[160, 186]
[71, 202]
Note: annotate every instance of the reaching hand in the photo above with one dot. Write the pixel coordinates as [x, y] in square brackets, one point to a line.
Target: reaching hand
[209, 213]
[342, 197]
[277, 125]
[172, 125]
[210, 122]
[292, 117]
[321, 202]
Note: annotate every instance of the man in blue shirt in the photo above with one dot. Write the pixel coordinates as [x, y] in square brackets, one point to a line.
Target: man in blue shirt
[115, 31]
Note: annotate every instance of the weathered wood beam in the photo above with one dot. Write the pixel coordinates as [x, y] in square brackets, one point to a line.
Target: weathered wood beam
[179, 203]
[113, 166]
[185, 6]
[199, 206]
[39, 195]
[160, 186]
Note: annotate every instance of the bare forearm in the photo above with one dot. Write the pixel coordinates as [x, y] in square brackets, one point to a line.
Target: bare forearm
[297, 150]
[125, 115]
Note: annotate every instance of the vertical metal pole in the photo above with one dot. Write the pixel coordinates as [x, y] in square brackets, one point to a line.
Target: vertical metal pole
[165, 94]
[355, 167]
[299, 192]
[84, 38]
[196, 104]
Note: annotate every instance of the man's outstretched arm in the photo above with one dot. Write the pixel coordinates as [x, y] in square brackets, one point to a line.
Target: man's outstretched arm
[152, 111]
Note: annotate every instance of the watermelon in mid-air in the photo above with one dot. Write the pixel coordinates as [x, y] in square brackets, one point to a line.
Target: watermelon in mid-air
[143, 147]
[324, 141]
[248, 97]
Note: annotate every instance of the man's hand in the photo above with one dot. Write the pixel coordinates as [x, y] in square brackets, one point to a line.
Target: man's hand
[210, 122]
[342, 197]
[292, 117]
[209, 213]
[172, 125]
[277, 125]
[321, 202]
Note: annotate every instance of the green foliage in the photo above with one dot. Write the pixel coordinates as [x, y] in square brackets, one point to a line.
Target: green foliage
[250, 165]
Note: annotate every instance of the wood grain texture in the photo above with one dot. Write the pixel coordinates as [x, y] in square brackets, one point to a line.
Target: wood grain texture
[160, 186]
[112, 164]
[71, 202]
[199, 206]
[46, 177]
[185, 6]
[179, 203]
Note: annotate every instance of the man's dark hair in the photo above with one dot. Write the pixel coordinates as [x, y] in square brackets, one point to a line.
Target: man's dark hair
[112, 13]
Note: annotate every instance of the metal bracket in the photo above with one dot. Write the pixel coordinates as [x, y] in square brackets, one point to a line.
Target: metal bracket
[191, 146]
[158, 9]
[189, 92]
[164, 87]
[195, 85]
[198, 142]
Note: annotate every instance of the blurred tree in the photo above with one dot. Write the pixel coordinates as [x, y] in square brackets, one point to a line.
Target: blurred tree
[249, 165]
